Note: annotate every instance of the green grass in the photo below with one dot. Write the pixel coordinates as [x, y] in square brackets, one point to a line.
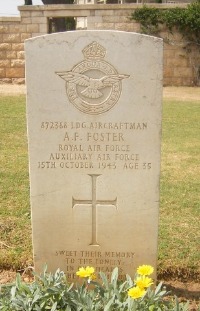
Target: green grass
[179, 232]
[15, 227]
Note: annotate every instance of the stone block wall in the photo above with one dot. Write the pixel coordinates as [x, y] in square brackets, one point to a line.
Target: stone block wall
[13, 32]
[34, 21]
[11, 50]
[177, 67]
[180, 64]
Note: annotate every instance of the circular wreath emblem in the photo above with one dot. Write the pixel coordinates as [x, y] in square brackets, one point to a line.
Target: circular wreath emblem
[93, 86]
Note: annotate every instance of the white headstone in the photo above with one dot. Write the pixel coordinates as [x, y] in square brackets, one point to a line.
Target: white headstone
[94, 130]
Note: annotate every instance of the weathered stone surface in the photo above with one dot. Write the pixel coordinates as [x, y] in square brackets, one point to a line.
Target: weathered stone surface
[20, 55]
[182, 72]
[25, 14]
[5, 46]
[18, 81]
[71, 12]
[94, 123]
[33, 28]
[103, 26]
[4, 63]
[3, 29]
[25, 36]
[169, 54]
[2, 72]
[94, 19]
[2, 54]
[115, 19]
[5, 80]
[104, 12]
[14, 72]
[37, 14]
[17, 63]
[26, 20]
[37, 34]
[43, 29]
[169, 72]
[18, 46]
[39, 20]
[11, 38]
[11, 54]
[17, 28]
[176, 61]
[125, 26]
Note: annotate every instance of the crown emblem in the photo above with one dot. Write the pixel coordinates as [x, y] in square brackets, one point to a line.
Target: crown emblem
[94, 51]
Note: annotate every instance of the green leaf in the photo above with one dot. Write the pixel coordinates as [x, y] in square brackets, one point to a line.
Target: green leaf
[158, 288]
[54, 306]
[108, 305]
[13, 292]
[104, 279]
[114, 276]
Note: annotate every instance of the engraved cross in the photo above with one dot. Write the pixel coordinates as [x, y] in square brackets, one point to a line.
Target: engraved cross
[94, 202]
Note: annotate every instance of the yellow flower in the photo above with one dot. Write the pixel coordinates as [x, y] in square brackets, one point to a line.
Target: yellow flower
[85, 272]
[143, 281]
[136, 292]
[93, 277]
[145, 270]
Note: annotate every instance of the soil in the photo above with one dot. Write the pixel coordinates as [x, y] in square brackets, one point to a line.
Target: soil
[183, 290]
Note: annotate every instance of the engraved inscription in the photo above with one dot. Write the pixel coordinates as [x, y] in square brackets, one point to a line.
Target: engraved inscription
[49, 125]
[104, 261]
[93, 86]
[94, 202]
[96, 146]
